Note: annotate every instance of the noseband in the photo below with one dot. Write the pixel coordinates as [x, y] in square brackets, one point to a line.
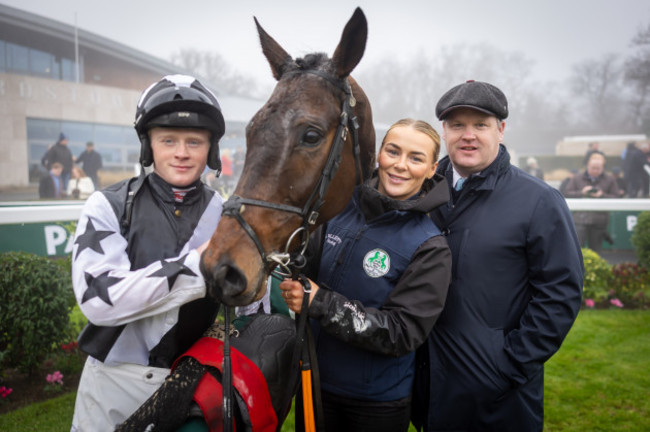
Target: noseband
[235, 205]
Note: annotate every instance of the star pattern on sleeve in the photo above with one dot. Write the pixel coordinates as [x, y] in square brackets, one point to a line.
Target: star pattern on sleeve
[172, 269]
[98, 287]
[91, 239]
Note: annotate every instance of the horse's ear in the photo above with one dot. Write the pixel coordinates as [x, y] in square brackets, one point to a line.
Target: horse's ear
[277, 57]
[352, 45]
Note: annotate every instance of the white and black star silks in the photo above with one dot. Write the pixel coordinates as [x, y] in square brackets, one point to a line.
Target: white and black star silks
[146, 301]
[98, 287]
[91, 239]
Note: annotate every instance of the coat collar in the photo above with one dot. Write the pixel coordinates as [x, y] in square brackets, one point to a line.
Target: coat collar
[434, 193]
[591, 179]
[166, 192]
[486, 179]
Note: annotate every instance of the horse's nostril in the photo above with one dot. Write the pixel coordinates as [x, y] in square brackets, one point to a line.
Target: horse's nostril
[234, 276]
[230, 280]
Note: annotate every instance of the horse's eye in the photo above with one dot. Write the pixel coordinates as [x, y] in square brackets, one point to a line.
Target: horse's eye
[311, 138]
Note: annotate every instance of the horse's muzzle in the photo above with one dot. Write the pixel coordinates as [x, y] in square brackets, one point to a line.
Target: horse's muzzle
[227, 283]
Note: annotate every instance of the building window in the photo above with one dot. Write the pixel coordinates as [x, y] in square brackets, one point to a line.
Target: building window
[17, 58]
[68, 71]
[41, 63]
[3, 63]
[117, 144]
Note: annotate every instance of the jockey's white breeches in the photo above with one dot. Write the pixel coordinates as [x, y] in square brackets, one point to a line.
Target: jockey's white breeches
[108, 395]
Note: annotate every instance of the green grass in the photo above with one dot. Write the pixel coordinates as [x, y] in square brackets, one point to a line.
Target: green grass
[52, 415]
[598, 381]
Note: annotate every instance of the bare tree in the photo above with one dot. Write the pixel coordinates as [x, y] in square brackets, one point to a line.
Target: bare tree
[605, 95]
[413, 87]
[637, 75]
[212, 67]
[600, 94]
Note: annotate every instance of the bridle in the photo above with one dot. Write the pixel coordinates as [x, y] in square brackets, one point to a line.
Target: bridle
[310, 211]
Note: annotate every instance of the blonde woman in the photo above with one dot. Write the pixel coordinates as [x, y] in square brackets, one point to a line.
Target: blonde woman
[80, 185]
[384, 270]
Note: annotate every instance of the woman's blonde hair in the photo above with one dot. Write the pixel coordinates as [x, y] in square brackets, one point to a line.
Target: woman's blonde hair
[420, 126]
[81, 173]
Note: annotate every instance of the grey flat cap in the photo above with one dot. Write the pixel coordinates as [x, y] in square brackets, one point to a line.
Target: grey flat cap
[477, 95]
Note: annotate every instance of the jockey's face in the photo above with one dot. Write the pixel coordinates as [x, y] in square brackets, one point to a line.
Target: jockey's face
[179, 155]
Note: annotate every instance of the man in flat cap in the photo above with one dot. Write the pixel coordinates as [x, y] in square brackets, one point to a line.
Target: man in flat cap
[516, 277]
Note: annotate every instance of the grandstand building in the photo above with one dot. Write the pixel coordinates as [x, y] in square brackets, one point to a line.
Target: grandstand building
[57, 78]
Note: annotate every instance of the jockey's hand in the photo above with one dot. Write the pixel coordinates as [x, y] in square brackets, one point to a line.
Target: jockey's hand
[292, 293]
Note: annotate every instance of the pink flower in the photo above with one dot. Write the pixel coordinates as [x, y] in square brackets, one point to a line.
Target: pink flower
[616, 302]
[590, 303]
[55, 378]
[4, 391]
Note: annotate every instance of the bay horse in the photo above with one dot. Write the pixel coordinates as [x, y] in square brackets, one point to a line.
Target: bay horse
[307, 148]
[290, 183]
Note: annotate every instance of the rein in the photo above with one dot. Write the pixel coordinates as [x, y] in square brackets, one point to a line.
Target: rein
[310, 211]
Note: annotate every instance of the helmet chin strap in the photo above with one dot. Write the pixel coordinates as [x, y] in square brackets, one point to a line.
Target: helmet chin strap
[214, 161]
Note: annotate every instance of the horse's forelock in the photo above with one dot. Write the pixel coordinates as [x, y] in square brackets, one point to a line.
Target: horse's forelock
[313, 61]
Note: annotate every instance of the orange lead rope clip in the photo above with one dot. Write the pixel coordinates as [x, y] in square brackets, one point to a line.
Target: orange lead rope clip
[304, 357]
[308, 401]
[305, 363]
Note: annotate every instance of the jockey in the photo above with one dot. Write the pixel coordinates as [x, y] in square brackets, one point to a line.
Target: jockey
[136, 255]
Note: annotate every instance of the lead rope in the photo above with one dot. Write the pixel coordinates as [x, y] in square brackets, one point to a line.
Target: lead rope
[311, 380]
[226, 379]
[305, 357]
[305, 365]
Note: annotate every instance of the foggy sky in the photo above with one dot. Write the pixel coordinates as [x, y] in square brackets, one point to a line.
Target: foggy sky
[554, 33]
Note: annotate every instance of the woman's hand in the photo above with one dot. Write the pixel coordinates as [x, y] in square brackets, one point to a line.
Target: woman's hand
[293, 293]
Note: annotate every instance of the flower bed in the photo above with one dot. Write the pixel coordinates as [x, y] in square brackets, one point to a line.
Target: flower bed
[624, 285]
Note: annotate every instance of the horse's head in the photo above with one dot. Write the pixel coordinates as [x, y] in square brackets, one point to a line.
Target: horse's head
[300, 167]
